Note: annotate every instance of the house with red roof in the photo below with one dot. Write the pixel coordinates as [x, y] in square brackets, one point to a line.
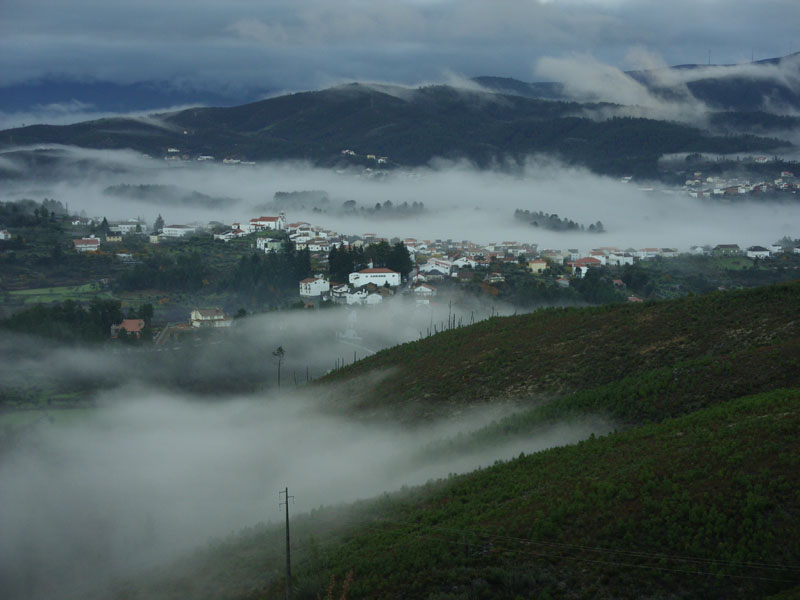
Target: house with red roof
[267, 223]
[90, 244]
[130, 326]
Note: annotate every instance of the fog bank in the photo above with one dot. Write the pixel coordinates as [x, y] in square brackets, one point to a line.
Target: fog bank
[461, 202]
[149, 475]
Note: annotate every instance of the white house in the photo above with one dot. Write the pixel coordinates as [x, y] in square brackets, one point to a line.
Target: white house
[90, 244]
[424, 290]
[267, 244]
[177, 230]
[267, 223]
[436, 264]
[229, 235]
[210, 317]
[127, 227]
[318, 245]
[619, 259]
[757, 252]
[4, 235]
[378, 276]
[465, 261]
[314, 286]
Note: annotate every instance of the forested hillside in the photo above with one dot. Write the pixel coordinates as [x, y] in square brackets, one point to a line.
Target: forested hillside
[407, 127]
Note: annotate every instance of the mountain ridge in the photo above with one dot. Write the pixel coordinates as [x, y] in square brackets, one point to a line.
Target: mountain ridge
[409, 127]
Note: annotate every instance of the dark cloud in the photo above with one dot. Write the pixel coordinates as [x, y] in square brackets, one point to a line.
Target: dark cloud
[282, 44]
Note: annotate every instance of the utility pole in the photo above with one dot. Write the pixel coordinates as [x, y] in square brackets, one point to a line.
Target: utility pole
[279, 354]
[288, 549]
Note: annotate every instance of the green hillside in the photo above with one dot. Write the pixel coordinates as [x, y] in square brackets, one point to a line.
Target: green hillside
[694, 497]
[654, 360]
[700, 506]
[410, 127]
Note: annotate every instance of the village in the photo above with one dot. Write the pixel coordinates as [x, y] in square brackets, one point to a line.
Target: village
[433, 263]
[702, 186]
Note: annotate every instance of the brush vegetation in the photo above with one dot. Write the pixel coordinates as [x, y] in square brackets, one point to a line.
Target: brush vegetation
[694, 496]
[639, 361]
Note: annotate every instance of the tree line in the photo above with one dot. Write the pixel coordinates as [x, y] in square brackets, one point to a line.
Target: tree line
[343, 261]
[553, 222]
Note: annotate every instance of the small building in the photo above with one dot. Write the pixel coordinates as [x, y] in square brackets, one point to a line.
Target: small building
[314, 286]
[177, 231]
[130, 326]
[537, 266]
[585, 263]
[495, 278]
[210, 317]
[727, 250]
[757, 252]
[90, 244]
[424, 290]
[378, 276]
[231, 234]
[268, 244]
[4, 234]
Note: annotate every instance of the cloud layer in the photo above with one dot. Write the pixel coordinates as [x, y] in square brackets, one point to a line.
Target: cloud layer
[291, 45]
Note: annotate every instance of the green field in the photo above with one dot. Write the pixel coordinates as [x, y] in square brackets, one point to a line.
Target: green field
[45, 295]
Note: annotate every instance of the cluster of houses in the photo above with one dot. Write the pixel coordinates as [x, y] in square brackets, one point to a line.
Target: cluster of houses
[708, 187]
[445, 259]
[369, 286]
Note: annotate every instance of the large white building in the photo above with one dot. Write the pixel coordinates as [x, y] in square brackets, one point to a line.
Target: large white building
[267, 223]
[378, 276]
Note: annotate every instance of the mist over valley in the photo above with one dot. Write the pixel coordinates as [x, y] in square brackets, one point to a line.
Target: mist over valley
[440, 300]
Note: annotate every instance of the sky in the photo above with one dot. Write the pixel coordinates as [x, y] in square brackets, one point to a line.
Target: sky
[289, 45]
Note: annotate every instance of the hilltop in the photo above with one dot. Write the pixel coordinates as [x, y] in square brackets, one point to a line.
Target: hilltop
[720, 87]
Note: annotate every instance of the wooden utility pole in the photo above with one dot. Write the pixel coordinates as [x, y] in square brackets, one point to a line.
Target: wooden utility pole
[288, 548]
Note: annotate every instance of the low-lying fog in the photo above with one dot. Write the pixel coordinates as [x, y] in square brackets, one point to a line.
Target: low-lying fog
[148, 475]
[154, 470]
[461, 202]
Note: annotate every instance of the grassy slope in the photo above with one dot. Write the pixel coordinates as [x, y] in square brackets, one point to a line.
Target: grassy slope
[677, 356]
[700, 505]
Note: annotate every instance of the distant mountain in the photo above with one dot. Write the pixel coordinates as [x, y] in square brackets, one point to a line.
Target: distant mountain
[107, 96]
[405, 126]
[728, 89]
